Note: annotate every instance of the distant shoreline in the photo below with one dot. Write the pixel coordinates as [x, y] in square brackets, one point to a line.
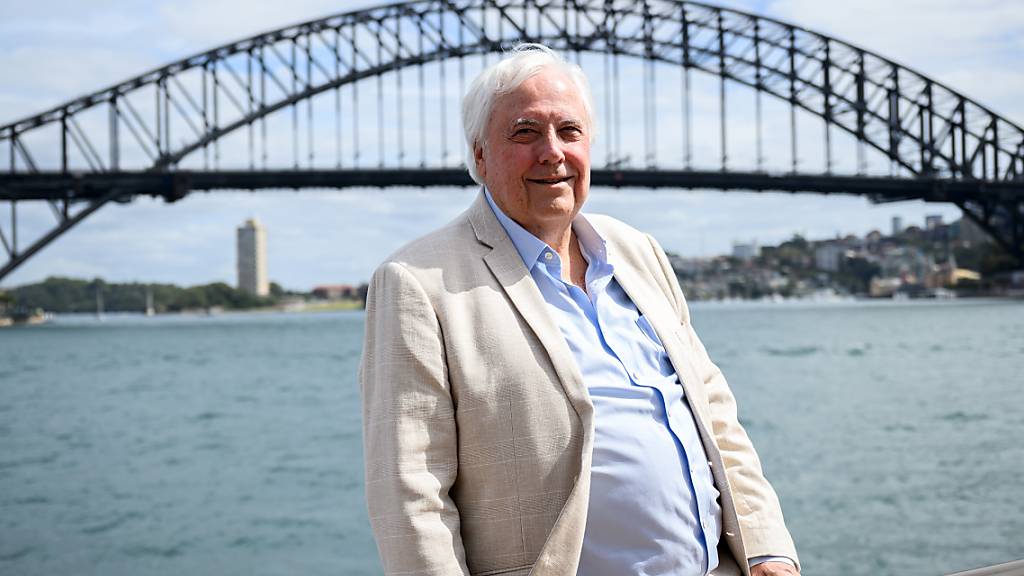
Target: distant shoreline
[301, 308]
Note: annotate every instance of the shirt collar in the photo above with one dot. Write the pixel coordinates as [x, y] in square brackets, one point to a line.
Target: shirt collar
[531, 248]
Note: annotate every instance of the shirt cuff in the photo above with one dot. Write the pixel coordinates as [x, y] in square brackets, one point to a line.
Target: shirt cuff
[762, 559]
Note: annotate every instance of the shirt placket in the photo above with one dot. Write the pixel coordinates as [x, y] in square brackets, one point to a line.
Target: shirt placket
[703, 491]
[671, 404]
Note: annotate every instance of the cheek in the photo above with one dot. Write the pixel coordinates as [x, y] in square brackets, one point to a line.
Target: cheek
[515, 164]
[580, 153]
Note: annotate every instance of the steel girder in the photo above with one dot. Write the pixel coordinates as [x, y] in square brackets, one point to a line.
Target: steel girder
[175, 185]
[923, 126]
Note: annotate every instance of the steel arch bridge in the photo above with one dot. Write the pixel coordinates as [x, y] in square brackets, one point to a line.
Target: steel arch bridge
[211, 121]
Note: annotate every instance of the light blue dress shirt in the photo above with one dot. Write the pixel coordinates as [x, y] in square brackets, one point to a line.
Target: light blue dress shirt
[653, 503]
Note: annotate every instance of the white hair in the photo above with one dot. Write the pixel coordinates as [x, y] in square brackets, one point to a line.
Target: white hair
[523, 62]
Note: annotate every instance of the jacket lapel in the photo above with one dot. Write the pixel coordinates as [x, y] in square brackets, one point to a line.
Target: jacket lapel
[654, 306]
[507, 266]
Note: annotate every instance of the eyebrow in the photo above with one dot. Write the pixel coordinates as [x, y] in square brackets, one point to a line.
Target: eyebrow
[524, 122]
[531, 122]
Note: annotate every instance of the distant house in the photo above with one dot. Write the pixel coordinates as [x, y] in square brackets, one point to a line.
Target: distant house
[828, 255]
[884, 287]
[746, 252]
[947, 275]
[686, 266]
[909, 264]
[336, 292]
[913, 232]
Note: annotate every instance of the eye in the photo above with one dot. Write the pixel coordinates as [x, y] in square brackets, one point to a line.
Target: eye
[571, 131]
[523, 133]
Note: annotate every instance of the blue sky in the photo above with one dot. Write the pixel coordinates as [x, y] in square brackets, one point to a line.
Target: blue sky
[54, 50]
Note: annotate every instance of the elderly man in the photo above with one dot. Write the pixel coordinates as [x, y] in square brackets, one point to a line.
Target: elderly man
[535, 400]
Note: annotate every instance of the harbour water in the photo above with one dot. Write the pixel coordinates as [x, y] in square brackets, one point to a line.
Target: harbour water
[894, 433]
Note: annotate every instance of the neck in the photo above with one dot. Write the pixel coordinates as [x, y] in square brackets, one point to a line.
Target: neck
[565, 243]
[559, 239]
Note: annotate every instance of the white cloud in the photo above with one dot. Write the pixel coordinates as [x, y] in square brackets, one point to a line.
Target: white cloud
[195, 25]
[961, 43]
[43, 76]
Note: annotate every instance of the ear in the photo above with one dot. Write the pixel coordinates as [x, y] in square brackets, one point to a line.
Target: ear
[478, 160]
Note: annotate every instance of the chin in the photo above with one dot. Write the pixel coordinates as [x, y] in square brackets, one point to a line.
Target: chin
[561, 206]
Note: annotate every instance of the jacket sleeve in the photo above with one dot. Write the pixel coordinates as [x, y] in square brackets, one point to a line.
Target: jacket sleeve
[409, 432]
[762, 525]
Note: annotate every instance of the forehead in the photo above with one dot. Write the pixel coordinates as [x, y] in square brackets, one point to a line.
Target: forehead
[548, 95]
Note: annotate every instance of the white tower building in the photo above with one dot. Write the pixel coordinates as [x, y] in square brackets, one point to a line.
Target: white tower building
[252, 258]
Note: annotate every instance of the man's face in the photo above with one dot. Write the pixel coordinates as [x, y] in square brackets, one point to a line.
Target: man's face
[535, 158]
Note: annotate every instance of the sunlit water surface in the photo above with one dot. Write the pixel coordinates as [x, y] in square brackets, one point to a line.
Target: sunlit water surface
[894, 433]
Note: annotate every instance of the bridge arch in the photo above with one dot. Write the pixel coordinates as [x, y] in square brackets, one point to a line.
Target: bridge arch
[925, 127]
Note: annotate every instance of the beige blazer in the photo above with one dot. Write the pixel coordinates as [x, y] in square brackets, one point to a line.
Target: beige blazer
[478, 427]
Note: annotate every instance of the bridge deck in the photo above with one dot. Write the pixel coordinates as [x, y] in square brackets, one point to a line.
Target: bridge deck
[177, 184]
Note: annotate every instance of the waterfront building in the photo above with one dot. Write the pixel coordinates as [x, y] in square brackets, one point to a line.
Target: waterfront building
[336, 292]
[252, 258]
[828, 256]
[884, 287]
[947, 275]
[746, 252]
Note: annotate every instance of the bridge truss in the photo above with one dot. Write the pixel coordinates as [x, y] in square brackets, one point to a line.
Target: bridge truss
[365, 98]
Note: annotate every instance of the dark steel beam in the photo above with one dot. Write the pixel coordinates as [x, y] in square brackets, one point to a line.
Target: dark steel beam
[176, 185]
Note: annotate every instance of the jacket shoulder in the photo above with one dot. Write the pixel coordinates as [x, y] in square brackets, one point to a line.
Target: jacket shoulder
[613, 228]
[627, 242]
[437, 247]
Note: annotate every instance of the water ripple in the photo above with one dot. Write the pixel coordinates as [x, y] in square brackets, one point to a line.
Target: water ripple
[149, 550]
[19, 462]
[960, 416]
[286, 522]
[16, 555]
[859, 350]
[208, 416]
[794, 351]
[29, 500]
[111, 524]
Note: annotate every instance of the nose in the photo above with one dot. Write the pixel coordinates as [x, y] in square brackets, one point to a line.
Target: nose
[550, 149]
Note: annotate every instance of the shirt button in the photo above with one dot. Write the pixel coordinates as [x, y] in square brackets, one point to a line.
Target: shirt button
[548, 256]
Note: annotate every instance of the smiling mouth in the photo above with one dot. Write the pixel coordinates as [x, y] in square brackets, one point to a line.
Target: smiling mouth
[550, 180]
